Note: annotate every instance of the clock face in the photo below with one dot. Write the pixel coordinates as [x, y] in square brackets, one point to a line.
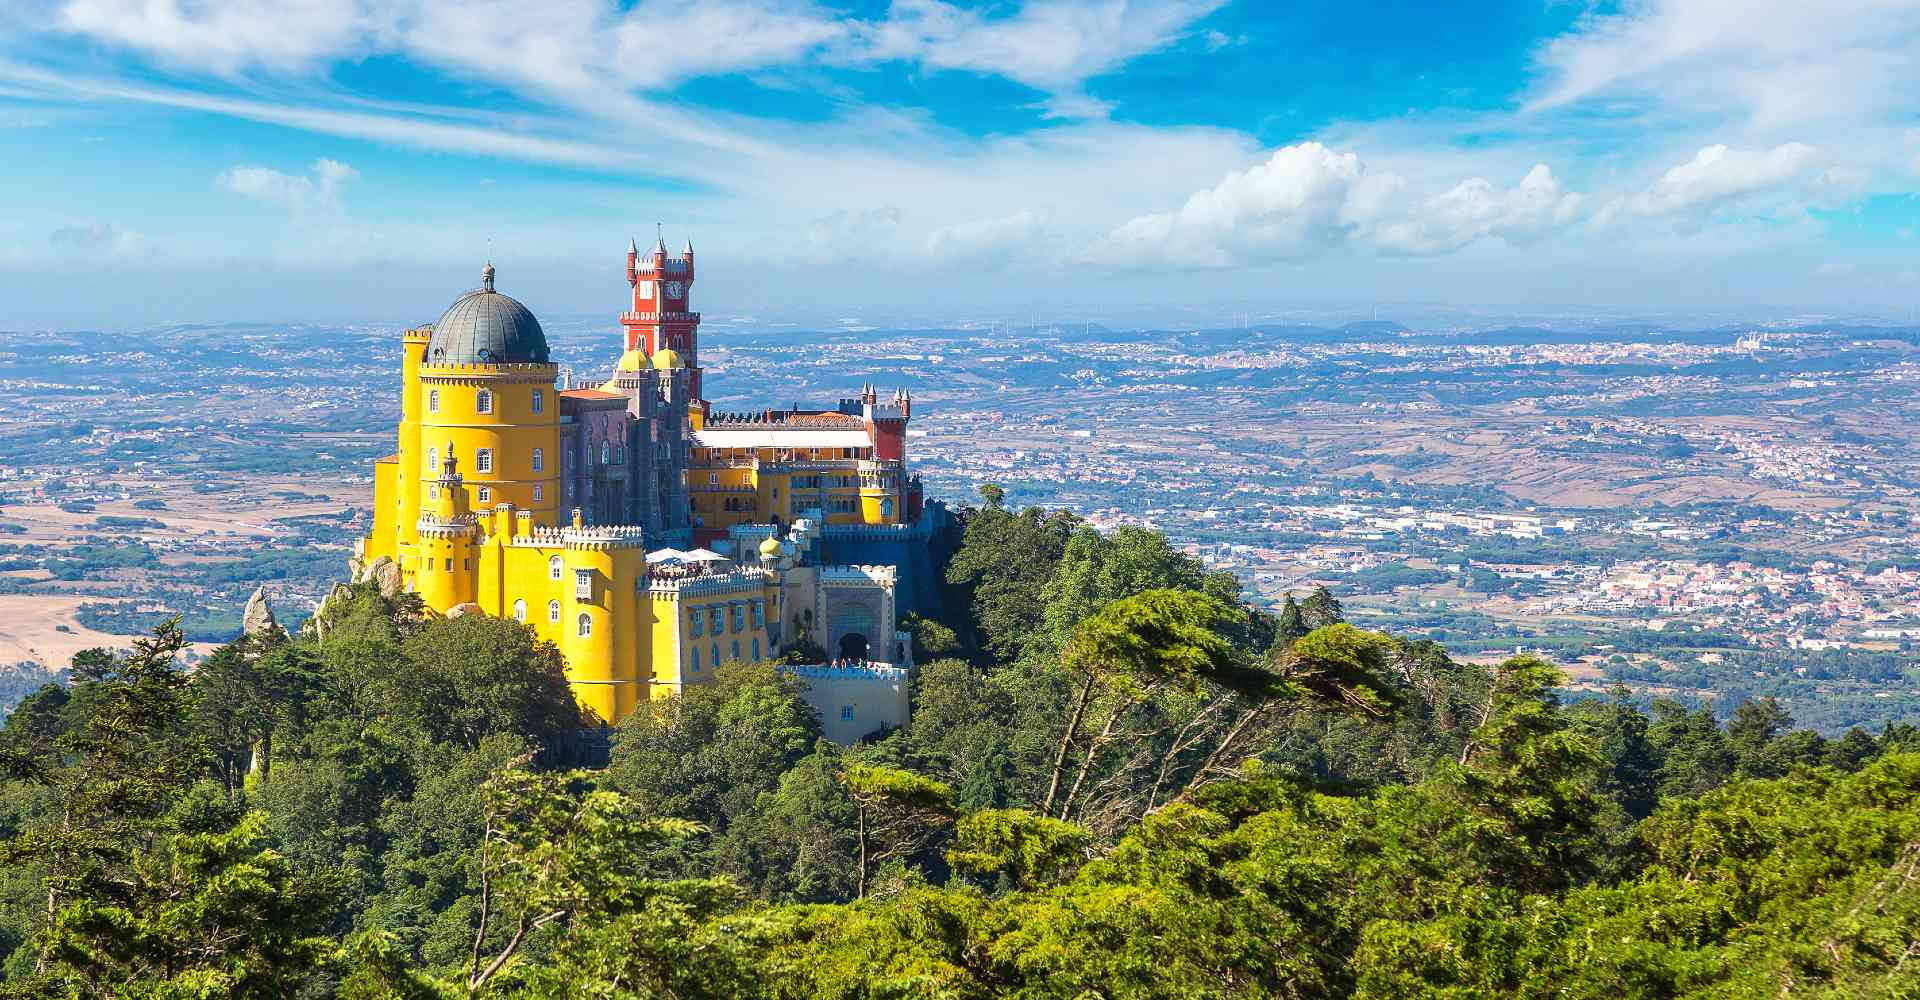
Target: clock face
[675, 289]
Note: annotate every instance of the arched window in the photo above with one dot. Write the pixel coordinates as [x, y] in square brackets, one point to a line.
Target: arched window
[695, 663]
[716, 654]
[520, 611]
[585, 625]
[539, 459]
[433, 401]
[736, 649]
[539, 400]
[483, 402]
[756, 651]
[433, 460]
[486, 494]
[606, 453]
[538, 492]
[483, 460]
[553, 611]
[553, 568]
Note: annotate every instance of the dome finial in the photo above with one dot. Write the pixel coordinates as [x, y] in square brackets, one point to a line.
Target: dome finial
[486, 276]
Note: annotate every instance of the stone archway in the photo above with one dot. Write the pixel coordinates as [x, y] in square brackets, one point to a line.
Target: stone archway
[853, 646]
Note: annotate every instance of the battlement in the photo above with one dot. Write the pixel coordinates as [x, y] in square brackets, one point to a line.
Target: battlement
[546, 371]
[419, 334]
[737, 581]
[870, 670]
[858, 574]
[631, 318]
[434, 526]
[605, 536]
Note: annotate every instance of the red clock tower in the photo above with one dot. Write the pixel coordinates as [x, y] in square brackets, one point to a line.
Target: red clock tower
[660, 320]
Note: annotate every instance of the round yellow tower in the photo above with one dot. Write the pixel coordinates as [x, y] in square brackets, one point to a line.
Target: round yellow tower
[487, 386]
[446, 537]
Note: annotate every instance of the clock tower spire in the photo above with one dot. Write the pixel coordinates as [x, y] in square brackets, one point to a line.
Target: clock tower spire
[661, 318]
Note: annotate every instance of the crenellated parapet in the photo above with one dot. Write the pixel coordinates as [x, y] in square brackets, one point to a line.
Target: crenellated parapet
[739, 581]
[863, 575]
[871, 671]
[460, 526]
[600, 537]
[516, 372]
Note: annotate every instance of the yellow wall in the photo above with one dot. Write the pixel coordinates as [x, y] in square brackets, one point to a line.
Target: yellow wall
[713, 478]
[674, 640]
[512, 430]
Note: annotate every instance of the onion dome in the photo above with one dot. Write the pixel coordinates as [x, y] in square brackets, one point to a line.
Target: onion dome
[668, 358]
[770, 548]
[484, 327]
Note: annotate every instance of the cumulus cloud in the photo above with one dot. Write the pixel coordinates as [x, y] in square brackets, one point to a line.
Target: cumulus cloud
[1475, 210]
[1304, 200]
[1307, 200]
[1716, 175]
[318, 188]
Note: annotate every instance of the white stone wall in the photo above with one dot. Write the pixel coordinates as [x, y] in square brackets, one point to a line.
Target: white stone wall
[856, 701]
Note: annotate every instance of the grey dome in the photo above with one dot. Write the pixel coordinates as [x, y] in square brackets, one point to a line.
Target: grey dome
[484, 327]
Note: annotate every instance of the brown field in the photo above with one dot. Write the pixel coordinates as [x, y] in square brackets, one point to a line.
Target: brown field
[29, 630]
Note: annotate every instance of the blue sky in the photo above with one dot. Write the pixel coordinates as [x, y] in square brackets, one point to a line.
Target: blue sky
[1157, 160]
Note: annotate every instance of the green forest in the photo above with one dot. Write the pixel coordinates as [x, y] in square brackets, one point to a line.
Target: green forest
[1119, 781]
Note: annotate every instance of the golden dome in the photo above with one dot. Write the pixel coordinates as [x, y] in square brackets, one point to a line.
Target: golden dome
[632, 361]
[770, 549]
[668, 358]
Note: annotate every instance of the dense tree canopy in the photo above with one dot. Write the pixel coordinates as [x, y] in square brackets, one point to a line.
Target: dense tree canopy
[1119, 780]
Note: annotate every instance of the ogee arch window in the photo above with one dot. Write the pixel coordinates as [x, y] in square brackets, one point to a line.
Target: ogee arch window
[553, 611]
[585, 625]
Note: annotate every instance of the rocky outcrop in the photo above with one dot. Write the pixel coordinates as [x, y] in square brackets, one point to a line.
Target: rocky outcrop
[463, 610]
[385, 573]
[257, 620]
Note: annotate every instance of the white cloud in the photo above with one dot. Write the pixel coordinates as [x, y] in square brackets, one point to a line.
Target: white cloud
[319, 188]
[869, 235]
[1715, 176]
[1052, 45]
[589, 53]
[1777, 62]
[993, 243]
[1304, 200]
[1308, 200]
[1074, 106]
[1474, 210]
[227, 37]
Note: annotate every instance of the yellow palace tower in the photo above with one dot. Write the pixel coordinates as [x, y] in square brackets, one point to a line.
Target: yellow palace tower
[511, 495]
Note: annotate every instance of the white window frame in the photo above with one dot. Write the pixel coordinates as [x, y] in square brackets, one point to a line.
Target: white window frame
[520, 610]
[433, 401]
[583, 585]
[483, 460]
[483, 401]
[539, 492]
[553, 612]
[554, 567]
[539, 460]
[486, 494]
[539, 401]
